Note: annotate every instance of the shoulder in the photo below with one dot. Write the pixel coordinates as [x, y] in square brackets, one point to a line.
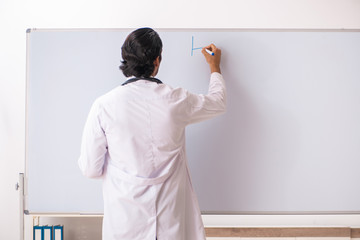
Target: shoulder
[102, 102]
[170, 92]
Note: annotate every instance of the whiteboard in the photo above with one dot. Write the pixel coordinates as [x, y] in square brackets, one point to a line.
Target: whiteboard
[289, 142]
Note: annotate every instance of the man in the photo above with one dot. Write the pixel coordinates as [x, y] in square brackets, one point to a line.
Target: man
[134, 138]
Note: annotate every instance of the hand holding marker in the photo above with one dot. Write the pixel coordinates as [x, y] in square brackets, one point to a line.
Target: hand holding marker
[209, 52]
[213, 56]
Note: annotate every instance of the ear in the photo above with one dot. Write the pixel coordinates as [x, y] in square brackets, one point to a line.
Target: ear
[157, 62]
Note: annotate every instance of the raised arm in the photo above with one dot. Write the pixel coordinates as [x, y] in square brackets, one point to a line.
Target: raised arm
[213, 103]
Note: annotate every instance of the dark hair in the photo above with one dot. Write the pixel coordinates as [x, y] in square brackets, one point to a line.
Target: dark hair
[139, 51]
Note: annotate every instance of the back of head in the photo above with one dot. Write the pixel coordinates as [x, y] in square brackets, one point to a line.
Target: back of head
[139, 51]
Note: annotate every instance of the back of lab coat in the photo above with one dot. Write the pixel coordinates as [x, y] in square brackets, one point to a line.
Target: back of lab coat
[134, 140]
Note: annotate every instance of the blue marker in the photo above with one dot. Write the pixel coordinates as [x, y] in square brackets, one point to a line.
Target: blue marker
[209, 52]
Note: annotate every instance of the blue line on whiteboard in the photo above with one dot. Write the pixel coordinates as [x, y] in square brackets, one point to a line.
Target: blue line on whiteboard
[192, 46]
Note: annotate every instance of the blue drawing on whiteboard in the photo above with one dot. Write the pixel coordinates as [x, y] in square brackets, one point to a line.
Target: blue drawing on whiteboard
[192, 46]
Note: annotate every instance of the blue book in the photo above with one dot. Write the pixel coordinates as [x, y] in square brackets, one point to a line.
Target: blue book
[47, 233]
[58, 233]
[38, 233]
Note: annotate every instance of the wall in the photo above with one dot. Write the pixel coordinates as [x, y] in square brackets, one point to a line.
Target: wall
[17, 16]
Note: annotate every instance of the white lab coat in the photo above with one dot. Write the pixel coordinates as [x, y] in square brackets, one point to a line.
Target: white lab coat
[134, 139]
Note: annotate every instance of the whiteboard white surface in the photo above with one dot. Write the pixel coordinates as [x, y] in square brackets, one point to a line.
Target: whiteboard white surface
[289, 141]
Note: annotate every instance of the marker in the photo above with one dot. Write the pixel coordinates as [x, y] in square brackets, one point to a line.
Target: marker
[209, 52]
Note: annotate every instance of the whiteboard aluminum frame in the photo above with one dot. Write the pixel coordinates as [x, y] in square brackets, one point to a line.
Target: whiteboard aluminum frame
[207, 213]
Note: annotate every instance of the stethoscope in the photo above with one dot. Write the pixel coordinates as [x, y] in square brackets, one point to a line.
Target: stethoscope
[143, 78]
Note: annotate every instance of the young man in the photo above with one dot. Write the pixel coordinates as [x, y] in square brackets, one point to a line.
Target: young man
[134, 138]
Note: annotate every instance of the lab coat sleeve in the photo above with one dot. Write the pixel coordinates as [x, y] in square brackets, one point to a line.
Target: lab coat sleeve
[93, 145]
[203, 107]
